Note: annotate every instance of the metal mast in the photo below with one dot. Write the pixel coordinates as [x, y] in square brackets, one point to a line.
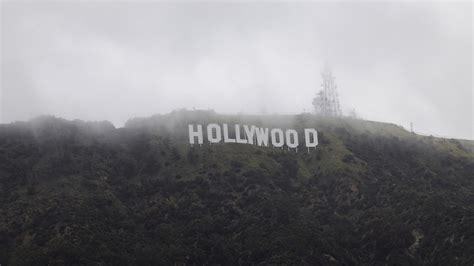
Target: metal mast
[327, 99]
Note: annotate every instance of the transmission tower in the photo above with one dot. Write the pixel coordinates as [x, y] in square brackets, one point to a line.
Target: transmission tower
[327, 99]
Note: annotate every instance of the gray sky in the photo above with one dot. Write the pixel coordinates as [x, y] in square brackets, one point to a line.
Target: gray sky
[396, 62]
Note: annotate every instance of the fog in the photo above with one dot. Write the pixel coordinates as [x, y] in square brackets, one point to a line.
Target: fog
[398, 62]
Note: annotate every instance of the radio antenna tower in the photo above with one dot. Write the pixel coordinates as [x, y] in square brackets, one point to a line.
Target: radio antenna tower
[327, 99]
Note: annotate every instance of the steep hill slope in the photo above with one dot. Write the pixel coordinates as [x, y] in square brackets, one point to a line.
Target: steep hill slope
[74, 192]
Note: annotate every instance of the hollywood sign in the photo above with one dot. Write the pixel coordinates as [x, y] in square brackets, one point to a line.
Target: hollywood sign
[252, 135]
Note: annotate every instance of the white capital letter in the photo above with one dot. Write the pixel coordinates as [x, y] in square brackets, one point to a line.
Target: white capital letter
[249, 132]
[226, 135]
[193, 134]
[307, 137]
[210, 136]
[238, 139]
[289, 143]
[281, 140]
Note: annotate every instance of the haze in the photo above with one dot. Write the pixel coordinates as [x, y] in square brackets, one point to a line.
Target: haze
[397, 62]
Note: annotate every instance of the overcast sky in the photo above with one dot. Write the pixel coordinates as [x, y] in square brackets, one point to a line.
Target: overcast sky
[398, 62]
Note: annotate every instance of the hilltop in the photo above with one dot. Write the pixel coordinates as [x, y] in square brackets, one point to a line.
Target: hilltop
[75, 192]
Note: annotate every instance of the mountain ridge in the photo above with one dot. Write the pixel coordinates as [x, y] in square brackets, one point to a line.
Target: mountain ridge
[75, 192]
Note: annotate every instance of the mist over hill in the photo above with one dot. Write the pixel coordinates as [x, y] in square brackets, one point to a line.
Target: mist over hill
[81, 193]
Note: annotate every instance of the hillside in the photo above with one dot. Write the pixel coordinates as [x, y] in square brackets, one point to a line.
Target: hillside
[87, 193]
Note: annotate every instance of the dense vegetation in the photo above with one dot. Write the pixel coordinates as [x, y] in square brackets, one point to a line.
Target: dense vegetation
[74, 193]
